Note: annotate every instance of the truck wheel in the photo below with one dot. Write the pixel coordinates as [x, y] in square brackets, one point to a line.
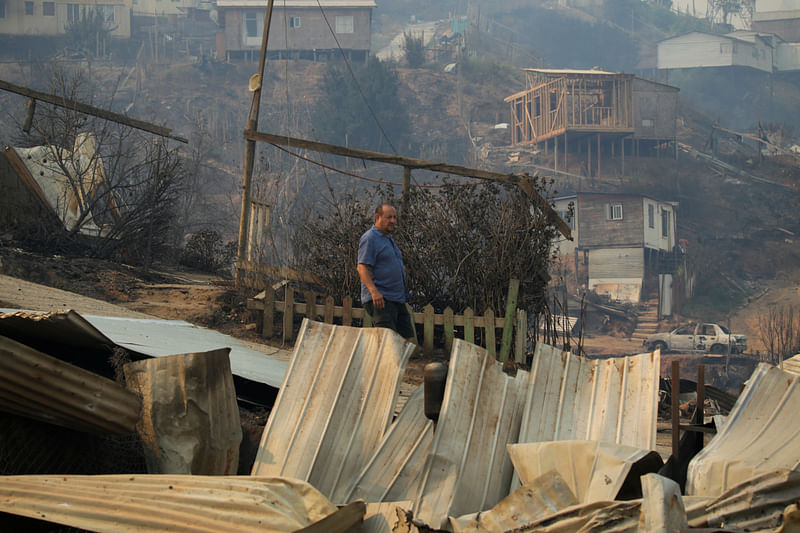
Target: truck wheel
[717, 349]
[659, 345]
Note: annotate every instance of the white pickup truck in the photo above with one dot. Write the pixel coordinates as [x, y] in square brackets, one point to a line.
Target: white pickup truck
[697, 337]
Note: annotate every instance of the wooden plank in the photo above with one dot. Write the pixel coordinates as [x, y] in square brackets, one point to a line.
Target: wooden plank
[288, 314]
[674, 408]
[427, 328]
[508, 326]
[469, 325]
[268, 317]
[521, 338]
[413, 325]
[448, 329]
[347, 311]
[90, 110]
[348, 518]
[490, 340]
[524, 182]
[328, 318]
[311, 305]
[366, 319]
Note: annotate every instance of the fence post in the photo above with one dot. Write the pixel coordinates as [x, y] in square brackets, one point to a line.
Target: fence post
[427, 328]
[288, 314]
[311, 305]
[508, 327]
[490, 342]
[347, 311]
[521, 338]
[448, 329]
[328, 309]
[268, 317]
[469, 325]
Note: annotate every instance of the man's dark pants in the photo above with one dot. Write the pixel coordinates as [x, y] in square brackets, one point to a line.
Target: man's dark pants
[394, 315]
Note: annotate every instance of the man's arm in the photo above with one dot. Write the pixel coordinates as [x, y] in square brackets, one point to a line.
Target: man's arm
[365, 273]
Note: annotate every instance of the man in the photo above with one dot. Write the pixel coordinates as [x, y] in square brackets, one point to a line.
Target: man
[383, 276]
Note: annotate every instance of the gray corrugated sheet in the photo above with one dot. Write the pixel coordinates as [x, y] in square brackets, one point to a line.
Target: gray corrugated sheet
[468, 468]
[334, 405]
[395, 470]
[158, 503]
[150, 337]
[35, 385]
[574, 398]
[761, 434]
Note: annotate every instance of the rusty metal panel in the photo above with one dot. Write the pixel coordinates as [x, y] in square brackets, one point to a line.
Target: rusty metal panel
[158, 503]
[468, 468]
[395, 470]
[574, 398]
[334, 405]
[761, 434]
[35, 385]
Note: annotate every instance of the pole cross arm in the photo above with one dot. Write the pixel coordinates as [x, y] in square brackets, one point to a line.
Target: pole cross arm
[90, 110]
[522, 181]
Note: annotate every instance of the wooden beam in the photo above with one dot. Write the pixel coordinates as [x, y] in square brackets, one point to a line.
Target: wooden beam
[90, 110]
[523, 182]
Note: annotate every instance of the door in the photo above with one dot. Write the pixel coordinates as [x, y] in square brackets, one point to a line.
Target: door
[682, 339]
[706, 337]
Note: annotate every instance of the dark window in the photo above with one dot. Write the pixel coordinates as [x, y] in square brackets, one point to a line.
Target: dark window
[294, 22]
[251, 24]
[73, 12]
[2, 9]
[29, 8]
[665, 223]
[651, 216]
[49, 9]
[613, 211]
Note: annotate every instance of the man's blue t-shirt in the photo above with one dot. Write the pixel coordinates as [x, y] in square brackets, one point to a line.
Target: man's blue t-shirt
[379, 251]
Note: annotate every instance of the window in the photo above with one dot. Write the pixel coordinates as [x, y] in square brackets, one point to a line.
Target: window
[648, 123]
[73, 12]
[294, 22]
[665, 223]
[2, 9]
[651, 216]
[344, 24]
[49, 9]
[251, 25]
[29, 8]
[613, 211]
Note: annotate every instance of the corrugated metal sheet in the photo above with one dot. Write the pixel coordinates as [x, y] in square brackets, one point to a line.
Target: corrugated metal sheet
[662, 505]
[468, 469]
[395, 470]
[35, 385]
[574, 398]
[158, 503]
[149, 337]
[761, 434]
[757, 504]
[545, 496]
[334, 405]
[594, 471]
[792, 364]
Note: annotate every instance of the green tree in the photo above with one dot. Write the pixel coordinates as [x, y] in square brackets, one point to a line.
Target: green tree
[414, 48]
[364, 110]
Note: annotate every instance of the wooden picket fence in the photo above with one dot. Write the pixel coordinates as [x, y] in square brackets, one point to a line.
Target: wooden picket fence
[513, 327]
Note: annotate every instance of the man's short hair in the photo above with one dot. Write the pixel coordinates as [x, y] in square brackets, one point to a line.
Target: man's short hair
[379, 209]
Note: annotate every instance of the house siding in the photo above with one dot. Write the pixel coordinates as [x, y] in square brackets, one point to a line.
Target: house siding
[313, 33]
[658, 104]
[695, 50]
[597, 232]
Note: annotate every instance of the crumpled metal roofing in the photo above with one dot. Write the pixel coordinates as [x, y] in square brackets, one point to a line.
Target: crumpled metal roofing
[575, 398]
[468, 468]
[761, 434]
[394, 472]
[149, 337]
[158, 503]
[792, 364]
[334, 405]
[594, 471]
[38, 386]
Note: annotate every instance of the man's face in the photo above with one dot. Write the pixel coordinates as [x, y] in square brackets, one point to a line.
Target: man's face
[386, 222]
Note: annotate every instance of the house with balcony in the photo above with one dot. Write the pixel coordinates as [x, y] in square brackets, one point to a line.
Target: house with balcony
[299, 29]
[593, 112]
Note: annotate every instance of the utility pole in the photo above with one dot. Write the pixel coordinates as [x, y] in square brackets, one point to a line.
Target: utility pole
[250, 145]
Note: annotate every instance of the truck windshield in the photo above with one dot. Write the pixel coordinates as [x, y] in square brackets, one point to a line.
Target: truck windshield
[724, 329]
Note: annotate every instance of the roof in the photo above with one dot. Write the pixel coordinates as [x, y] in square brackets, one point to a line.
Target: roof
[574, 71]
[343, 4]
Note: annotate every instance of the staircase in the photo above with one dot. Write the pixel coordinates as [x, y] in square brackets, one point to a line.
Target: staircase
[647, 321]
